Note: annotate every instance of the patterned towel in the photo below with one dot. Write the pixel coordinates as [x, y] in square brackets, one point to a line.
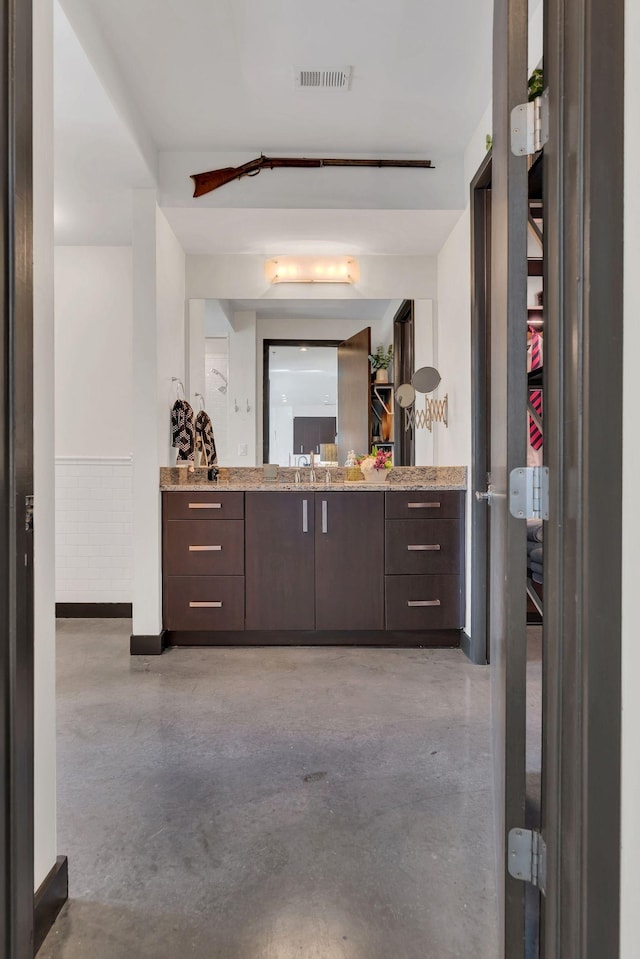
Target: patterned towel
[204, 438]
[183, 434]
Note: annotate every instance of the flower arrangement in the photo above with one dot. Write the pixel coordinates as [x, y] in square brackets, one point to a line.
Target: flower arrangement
[375, 460]
[381, 359]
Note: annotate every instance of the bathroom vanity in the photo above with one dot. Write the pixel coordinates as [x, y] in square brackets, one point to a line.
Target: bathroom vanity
[348, 563]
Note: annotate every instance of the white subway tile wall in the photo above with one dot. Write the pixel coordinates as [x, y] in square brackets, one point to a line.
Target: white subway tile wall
[94, 530]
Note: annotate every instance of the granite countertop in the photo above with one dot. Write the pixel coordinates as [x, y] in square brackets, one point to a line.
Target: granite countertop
[242, 479]
[357, 486]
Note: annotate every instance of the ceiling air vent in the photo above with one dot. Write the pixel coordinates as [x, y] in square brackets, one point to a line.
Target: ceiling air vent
[335, 79]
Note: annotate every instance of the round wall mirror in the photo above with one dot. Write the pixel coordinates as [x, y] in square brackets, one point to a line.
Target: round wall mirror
[405, 395]
[426, 379]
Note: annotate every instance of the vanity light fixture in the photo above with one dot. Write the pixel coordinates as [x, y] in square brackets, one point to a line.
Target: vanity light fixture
[312, 269]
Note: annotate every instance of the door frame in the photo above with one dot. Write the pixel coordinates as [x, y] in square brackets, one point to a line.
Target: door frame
[266, 389]
[477, 648]
[16, 483]
[404, 447]
[584, 220]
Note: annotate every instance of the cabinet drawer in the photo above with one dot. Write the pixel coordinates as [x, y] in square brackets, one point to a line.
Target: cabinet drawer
[424, 602]
[423, 546]
[422, 504]
[209, 505]
[204, 602]
[192, 548]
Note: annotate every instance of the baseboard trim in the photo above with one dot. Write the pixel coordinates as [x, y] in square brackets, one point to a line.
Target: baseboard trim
[93, 610]
[148, 645]
[49, 900]
[408, 639]
[465, 643]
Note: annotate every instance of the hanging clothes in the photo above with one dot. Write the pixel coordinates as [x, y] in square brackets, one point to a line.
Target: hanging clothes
[534, 362]
[204, 438]
[183, 434]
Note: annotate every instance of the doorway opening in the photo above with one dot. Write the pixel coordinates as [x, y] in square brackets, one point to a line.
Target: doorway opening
[300, 396]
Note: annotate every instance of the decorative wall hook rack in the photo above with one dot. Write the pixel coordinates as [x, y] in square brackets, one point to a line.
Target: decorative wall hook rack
[201, 399]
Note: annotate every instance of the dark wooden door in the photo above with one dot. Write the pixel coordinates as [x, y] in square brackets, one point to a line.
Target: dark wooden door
[354, 399]
[279, 560]
[310, 431]
[507, 429]
[350, 560]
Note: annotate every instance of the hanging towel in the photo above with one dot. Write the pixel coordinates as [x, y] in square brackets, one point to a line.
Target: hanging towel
[183, 434]
[204, 438]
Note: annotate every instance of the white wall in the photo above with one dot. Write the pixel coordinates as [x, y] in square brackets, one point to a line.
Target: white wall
[241, 277]
[45, 840]
[93, 351]
[425, 354]
[170, 317]
[94, 424]
[630, 877]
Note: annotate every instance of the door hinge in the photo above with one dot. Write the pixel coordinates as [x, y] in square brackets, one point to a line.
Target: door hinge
[530, 125]
[28, 513]
[529, 492]
[527, 857]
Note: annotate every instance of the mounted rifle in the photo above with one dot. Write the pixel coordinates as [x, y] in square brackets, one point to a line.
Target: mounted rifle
[214, 179]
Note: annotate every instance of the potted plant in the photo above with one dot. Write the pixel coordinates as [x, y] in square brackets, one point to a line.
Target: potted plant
[376, 465]
[380, 363]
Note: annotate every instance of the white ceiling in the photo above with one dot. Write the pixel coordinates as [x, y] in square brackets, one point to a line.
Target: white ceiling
[218, 74]
[186, 84]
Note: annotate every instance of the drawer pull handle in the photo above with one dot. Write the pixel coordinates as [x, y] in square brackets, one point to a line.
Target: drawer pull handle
[325, 513]
[205, 505]
[423, 505]
[205, 549]
[423, 602]
[414, 549]
[305, 516]
[205, 605]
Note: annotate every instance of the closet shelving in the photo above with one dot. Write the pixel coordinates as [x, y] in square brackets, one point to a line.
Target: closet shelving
[382, 410]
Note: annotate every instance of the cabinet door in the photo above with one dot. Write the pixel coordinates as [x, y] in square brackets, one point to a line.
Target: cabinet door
[350, 560]
[279, 560]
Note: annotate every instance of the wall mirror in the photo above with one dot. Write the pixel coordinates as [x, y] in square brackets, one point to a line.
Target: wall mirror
[284, 377]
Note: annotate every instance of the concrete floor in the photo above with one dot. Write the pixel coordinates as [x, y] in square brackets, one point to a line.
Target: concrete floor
[272, 803]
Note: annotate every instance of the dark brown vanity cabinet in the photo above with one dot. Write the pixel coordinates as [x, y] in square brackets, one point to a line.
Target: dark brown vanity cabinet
[280, 560]
[424, 560]
[349, 548]
[365, 566]
[314, 561]
[203, 561]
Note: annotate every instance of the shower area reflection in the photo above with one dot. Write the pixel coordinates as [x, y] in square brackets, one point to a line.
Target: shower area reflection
[216, 392]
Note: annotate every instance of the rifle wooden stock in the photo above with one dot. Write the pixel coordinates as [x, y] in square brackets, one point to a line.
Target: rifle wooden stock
[207, 182]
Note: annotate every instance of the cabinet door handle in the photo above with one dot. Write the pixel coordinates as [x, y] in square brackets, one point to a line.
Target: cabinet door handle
[423, 602]
[305, 516]
[325, 523]
[423, 505]
[435, 546]
[205, 505]
[205, 605]
[205, 549]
